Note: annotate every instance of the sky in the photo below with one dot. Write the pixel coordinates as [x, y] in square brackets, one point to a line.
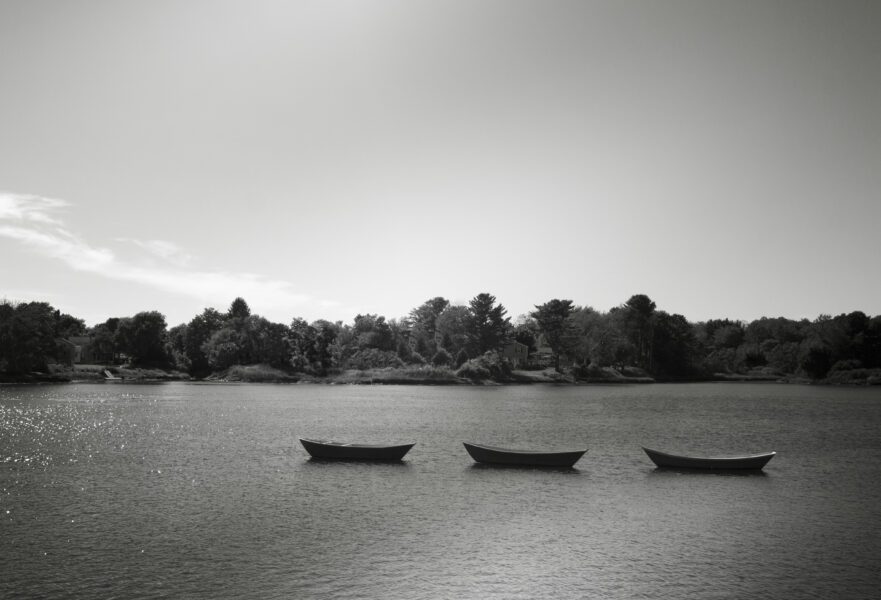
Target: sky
[329, 158]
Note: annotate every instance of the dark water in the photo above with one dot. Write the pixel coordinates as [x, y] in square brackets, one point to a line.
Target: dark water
[202, 491]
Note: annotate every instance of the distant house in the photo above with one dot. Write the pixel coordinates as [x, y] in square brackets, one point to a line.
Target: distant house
[65, 351]
[516, 353]
[83, 349]
[544, 357]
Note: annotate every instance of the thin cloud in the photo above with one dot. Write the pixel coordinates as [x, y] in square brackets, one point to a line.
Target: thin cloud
[29, 209]
[56, 242]
[167, 251]
[31, 221]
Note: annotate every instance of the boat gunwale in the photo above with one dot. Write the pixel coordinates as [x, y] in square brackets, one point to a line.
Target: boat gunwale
[720, 459]
[524, 452]
[333, 444]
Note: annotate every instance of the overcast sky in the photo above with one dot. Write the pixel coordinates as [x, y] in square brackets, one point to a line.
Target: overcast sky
[323, 159]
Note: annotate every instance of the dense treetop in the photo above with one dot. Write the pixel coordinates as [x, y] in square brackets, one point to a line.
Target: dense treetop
[557, 333]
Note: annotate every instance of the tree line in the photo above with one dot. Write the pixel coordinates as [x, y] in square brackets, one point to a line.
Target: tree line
[464, 338]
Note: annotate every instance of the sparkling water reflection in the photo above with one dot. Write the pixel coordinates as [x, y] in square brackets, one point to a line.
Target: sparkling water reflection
[202, 491]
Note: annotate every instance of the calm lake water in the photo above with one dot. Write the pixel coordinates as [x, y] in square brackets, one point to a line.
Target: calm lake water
[202, 491]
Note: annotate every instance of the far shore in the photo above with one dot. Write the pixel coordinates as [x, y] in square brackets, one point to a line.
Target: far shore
[407, 376]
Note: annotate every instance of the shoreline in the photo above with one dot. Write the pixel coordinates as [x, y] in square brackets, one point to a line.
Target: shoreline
[416, 376]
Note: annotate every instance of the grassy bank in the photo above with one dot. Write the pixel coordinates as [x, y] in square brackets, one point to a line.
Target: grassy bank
[253, 374]
[421, 375]
[95, 374]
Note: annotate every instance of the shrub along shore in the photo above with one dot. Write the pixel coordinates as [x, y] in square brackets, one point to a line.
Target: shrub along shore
[414, 376]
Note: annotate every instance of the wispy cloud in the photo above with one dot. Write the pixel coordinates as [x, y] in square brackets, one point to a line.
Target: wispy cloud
[29, 209]
[168, 251]
[34, 222]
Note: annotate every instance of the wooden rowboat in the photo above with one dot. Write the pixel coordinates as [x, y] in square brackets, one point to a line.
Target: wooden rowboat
[341, 451]
[677, 461]
[506, 456]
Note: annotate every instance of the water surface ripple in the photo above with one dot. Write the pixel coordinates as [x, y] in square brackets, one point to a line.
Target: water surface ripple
[202, 491]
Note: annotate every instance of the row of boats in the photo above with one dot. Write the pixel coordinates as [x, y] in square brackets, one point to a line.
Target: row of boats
[328, 450]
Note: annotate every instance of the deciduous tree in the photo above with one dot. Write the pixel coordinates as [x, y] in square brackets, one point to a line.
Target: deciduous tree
[143, 338]
[423, 320]
[27, 336]
[452, 326]
[553, 317]
[199, 330]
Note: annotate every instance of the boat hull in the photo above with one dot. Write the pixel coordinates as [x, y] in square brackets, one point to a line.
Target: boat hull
[676, 461]
[340, 451]
[506, 456]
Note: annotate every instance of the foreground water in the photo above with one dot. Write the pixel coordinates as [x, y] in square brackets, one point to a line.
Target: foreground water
[202, 491]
